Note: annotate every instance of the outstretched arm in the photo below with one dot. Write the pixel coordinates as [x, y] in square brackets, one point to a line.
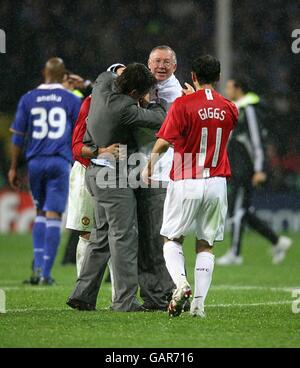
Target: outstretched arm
[160, 147]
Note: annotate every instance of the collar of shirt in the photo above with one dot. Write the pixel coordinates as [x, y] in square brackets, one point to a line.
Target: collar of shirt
[51, 86]
[169, 89]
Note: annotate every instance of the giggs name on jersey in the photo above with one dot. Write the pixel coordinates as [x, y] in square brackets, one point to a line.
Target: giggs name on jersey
[199, 126]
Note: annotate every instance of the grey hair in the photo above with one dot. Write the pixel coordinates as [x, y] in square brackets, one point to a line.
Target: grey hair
[166, 48]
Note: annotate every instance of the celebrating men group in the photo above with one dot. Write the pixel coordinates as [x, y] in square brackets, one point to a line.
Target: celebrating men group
[152, 276]
[127, 107]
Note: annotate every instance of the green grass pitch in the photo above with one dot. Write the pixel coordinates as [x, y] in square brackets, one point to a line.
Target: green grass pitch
[248, 306]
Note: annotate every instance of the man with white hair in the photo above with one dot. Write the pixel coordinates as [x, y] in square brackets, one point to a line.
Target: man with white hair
[155, 282]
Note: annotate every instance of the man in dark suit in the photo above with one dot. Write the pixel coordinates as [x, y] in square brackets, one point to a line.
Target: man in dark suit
[113, 115]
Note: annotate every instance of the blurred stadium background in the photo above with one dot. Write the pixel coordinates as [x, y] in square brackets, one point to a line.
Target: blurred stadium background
[251, 304]
[90, 35]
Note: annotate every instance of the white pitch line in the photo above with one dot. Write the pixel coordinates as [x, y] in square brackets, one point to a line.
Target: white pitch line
[39, 288]
[20, 310]
[286, 289]
[20, 288]
[281, 302]
[230, 305]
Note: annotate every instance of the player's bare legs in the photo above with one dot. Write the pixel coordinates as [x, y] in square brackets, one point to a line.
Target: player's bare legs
[175, 262]
[86, 235]
[204, 267]
[53, 215]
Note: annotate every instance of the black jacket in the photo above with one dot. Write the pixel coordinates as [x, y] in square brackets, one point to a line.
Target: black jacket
[246, 145]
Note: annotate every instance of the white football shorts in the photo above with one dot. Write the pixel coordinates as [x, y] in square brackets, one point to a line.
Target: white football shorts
[196, 207]
[80, 205]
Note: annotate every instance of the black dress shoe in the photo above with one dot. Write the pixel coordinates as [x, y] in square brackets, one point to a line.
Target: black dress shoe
[152, 307]
[80, 305]
[139, 308]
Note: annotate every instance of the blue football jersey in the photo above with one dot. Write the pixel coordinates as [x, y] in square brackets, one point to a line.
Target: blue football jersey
[47, 116]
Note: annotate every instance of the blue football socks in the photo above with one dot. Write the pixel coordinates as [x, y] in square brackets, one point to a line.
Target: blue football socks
[38, 237]
[53, 230]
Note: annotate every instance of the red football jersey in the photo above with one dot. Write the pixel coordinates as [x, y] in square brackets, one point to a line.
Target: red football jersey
[79, 132]
[199, 126]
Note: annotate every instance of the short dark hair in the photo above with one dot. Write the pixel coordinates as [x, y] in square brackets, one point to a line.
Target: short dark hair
[241, 82]
[135, 77]
[207, 69]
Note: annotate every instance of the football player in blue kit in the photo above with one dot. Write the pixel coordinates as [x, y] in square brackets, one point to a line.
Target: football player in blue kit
[43, 126]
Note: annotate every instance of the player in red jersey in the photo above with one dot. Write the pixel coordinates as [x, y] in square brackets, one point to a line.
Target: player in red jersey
[198, 126]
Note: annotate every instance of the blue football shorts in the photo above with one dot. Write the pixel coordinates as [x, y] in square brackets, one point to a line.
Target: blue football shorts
[49, 182]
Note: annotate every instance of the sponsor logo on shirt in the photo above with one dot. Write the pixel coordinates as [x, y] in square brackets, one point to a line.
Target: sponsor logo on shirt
[85, 221]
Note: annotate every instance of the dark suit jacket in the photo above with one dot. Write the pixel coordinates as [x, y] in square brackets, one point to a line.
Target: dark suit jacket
[113, 117]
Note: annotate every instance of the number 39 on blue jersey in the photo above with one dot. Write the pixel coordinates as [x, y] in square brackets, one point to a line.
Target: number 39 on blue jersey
[46, 116]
